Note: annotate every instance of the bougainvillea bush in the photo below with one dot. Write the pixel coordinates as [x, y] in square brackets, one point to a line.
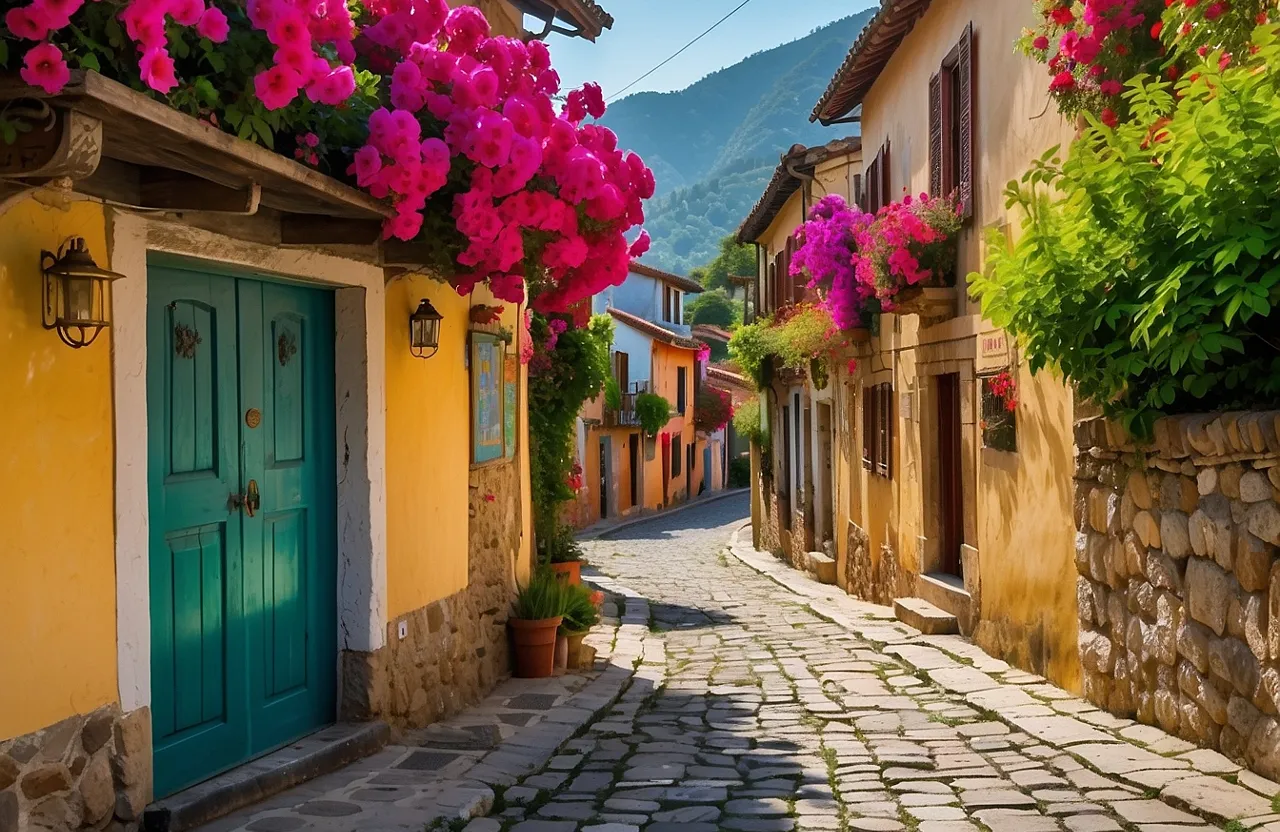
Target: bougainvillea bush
[800, 337]
[861, 262]
[712, 410]
[1148, 270]
[1093, 47]
[414, 101]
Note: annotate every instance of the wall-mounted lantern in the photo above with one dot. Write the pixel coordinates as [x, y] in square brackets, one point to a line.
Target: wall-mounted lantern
[424, 330]
[77, 295]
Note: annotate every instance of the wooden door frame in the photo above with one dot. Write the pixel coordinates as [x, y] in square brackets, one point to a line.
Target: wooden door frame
[931, 555]
[360, 379]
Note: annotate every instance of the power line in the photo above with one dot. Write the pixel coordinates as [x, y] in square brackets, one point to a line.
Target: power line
[714, 26]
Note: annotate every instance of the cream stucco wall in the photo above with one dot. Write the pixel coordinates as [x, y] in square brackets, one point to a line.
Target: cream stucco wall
[1017, 506]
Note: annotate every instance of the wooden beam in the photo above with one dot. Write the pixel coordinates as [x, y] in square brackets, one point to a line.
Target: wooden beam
[59, 142]
[412, 254]
[172, 190]
[315, 229]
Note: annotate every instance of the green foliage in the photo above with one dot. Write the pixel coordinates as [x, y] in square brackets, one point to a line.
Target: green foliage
[740, 472]
[803, 340]
[734, 258]
[688, 223]
[612, 394]
[580, 614]
[713, 307]
[543, 597]
[1148, 270]
[560, 381]
[747, 422]
[653, 411]
[559, 547]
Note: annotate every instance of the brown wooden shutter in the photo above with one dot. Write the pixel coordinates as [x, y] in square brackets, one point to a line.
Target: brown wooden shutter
[868, 426]
[784, 285]
[873, 185]
[886, 189]
[935, 136]
[964, 77]
[799, 282]
[884, 449]
[770, 292]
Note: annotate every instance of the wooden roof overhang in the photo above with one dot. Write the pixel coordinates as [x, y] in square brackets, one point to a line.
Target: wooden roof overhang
[867, 58]
[129, 149]
[786, 181]
[586, 16]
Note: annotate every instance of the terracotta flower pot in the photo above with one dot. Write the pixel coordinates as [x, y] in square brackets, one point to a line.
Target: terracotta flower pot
[569, 573]
[534, 645]
[574, 641]
[562, 654]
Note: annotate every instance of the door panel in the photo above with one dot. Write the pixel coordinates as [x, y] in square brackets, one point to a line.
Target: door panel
[240, 389]
[199, 722]
[290, 547]
[950, 474]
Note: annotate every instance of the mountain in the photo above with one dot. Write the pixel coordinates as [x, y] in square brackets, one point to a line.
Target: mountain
[714, 144]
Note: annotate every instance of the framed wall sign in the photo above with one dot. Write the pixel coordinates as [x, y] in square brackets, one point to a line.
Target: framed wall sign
[487, 373]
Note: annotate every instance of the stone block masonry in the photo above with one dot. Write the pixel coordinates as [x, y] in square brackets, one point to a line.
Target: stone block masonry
[1177, 549]
[456, 649]
[89, 771]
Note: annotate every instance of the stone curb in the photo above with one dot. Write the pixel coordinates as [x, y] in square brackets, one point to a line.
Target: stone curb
[596, 534]
[1178, 782]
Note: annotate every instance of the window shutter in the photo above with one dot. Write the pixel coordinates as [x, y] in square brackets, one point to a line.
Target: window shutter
[935, 136]
[868, 426]
[884, 450]
[964, 73]
[781, 280]
[873, 185]
[770, 292]
[886, 191]
[799, 281]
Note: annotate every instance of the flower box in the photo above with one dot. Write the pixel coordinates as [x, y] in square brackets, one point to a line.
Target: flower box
[931, 303]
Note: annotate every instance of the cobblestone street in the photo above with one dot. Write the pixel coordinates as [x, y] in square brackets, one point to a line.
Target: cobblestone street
[771, 717]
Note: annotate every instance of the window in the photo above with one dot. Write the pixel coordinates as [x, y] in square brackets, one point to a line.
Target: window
[951, 125]
[877, 429]
[682, 382]
[622, 371]
[666, 302]
[785, 480]
[999, 423]
[677, 306]
[677, 458]
[876, 192]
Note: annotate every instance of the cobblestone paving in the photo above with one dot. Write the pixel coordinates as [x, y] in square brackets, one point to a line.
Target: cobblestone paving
[769, 717]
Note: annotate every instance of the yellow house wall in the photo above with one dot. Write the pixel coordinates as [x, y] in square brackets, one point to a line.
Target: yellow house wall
[57, 557]
[428, 448]
[666, 361]
[1018, 506]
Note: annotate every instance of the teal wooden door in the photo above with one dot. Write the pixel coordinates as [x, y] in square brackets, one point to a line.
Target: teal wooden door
[243, 596]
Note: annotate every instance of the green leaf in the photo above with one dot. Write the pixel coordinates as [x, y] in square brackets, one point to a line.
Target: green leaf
[89, 61]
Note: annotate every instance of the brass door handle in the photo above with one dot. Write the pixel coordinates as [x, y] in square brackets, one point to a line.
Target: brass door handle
[249, 502]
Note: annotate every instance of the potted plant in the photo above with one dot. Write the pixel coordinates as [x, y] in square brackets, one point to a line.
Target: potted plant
[564, 556]
[535, 619]
[580, 615]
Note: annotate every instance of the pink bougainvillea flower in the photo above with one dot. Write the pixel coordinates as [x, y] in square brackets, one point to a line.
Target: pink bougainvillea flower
[213, 25]
[333, 89]
[44, 67]
[276, 87]
[23, 23]
[158, 71]
[186, 12]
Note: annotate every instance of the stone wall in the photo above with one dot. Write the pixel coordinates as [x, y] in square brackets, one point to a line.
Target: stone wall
[90, 771]
[878, 580]
[456, 649]
[1179, 587]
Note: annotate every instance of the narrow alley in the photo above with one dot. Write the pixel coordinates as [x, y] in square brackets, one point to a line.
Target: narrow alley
[732, 701]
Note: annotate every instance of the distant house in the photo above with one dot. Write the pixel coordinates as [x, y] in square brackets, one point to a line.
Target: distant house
[655, 352]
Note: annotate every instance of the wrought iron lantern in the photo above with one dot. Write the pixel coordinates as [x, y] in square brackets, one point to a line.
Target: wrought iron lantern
[77, 293]
[424, 330]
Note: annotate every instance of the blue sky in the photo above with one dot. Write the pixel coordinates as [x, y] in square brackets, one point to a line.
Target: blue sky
[645, 32]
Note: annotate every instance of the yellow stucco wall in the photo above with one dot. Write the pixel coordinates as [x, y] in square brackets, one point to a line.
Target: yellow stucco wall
[1018, 506]
[428, 448]
[57, 552]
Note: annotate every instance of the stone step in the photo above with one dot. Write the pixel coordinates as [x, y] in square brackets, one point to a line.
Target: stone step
[925, 617]
[822, 567]
[325, 751]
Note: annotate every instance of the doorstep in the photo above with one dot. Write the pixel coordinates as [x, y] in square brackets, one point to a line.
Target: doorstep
[925, 617]
[947, 593]
[325, 751]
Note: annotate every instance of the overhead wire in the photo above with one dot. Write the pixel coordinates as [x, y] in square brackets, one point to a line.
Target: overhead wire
[681, 51]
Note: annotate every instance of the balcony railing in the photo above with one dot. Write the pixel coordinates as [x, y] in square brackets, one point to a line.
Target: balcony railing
[625, 416]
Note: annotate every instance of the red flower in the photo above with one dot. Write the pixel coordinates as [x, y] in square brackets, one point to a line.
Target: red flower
[1215, 11]
[1062, 81]
[1041, 43]
[1157, 29]
[1063, 16]
[1109, 117]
